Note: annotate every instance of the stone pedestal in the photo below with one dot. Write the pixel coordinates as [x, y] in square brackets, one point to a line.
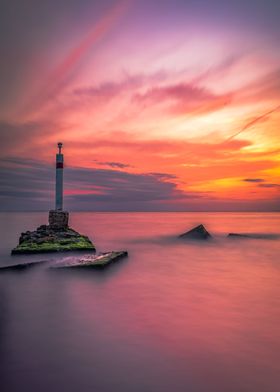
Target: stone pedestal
[58, 220]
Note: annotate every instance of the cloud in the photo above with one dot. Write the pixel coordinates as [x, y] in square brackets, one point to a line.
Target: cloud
[31, 187]
[126, 143]
[253, 180]
[65, 71]
[19, 137]
[261, 183]
[110, 89]
[163, 176]
[183, 98]
[269, 185]
[28, 185]
[192, 161]
[254, 121]
[180, 91]
[115, 165]
[266, 88]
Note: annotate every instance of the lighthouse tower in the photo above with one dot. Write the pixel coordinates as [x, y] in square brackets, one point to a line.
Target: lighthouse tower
[59, 179]
[58, 219]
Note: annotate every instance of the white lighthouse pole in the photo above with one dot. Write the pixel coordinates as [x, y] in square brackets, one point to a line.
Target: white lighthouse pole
[59, 180]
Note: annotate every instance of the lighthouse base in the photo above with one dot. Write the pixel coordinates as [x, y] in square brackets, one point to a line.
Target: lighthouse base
[58, 220]
[46, 239]
[57, 236]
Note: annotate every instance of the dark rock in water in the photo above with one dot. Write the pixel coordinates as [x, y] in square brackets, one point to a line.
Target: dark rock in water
[197, 233]
[238, 235]
[258, 236]
[48, 239]
[90, 261]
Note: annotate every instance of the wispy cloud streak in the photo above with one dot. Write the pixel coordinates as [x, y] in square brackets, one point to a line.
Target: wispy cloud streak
[64, 72]
[253, 122]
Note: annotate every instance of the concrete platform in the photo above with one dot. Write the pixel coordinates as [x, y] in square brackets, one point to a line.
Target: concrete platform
[90, 261]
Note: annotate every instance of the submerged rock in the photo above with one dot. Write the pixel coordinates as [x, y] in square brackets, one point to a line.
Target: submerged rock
[197, 233]
[48, 239]
[22, 266]
[91, 261]
[258, 236]
[234, 235]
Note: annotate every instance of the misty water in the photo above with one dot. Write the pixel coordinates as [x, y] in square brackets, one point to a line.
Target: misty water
[173, 316]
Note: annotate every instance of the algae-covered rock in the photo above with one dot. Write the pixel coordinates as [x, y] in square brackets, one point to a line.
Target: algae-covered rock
[197, 233]
[91, 261]
[46, 239]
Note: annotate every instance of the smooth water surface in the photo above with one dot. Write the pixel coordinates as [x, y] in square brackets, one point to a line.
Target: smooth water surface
[173, 316]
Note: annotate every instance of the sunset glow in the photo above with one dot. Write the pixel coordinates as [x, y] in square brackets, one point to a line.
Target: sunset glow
[179, 105]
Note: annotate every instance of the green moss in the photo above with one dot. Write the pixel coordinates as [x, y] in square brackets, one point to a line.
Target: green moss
[59, 245]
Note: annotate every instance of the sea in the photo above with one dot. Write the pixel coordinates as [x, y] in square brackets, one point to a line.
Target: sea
[176, 315]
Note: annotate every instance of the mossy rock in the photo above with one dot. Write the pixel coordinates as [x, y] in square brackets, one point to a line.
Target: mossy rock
[81, 243]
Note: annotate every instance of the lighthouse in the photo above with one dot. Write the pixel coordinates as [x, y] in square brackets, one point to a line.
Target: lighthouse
[57, 236]
[58, 219]
[59, 179]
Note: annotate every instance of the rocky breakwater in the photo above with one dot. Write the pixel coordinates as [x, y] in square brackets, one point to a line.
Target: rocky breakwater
[55, 237]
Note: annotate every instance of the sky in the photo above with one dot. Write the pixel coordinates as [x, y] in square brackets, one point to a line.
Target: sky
[170, 105]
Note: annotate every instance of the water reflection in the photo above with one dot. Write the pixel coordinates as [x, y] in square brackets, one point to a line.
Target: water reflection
[171, 317]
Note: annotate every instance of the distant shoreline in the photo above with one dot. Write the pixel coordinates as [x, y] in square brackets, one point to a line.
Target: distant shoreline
[147, 212]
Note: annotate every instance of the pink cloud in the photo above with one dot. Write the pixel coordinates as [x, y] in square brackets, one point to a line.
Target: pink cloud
[183, 98]
[65, 71]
